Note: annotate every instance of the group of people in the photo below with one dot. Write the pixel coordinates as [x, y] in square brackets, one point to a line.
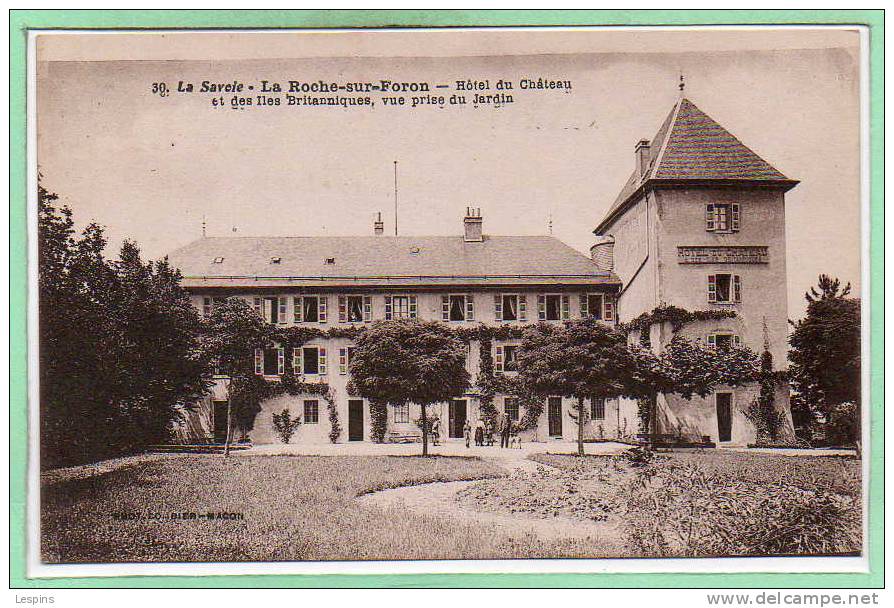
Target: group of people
[483, 432]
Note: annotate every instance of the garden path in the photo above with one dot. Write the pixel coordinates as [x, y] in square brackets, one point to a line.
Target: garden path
[438, 499]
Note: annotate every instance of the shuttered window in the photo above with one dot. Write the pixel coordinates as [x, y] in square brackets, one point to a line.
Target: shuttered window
[724, 288]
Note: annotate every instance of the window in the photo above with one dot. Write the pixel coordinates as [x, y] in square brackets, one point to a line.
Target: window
[311, 411]
[271, 309]
[218, 260]
[553, 307]
[509, 358]
[597, 408]
[722, 217]
[210, 303]
[724, 288]
[269, 361]
[355, 309]
[310, 309]
[510, 408]
[510, 307]
[400, 307]
[591, 306]
[457, 308]
[723, 340]
[402, 413]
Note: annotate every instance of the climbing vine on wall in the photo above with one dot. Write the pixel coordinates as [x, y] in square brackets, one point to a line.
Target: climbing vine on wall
[378, 413]
[676, 316]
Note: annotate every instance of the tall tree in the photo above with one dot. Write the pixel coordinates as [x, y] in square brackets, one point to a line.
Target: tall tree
[409, 361]
[580, 360]
[825, 354]
[118, 343]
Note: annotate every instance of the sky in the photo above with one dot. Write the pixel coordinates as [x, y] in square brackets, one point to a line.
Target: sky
[151, 168]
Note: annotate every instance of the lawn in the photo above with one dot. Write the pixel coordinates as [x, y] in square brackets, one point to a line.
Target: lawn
[277, 508]
[284, 508]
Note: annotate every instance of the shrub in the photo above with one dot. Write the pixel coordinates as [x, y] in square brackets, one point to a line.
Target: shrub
[284, 425]
[686, 509]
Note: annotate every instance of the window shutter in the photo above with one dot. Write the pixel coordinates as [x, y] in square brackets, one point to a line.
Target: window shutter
[367, 309]
[259, 361]
[498, 359]
[608, 309]
[387, 308]
[470, 307]
[342, 361]
[737, 288]
[566, 307]
[342, 309]
[498, 307]
[522, 307]
[282, 303]
[297, 309]
[258, 308]
[712, 340]
[413, 308]
[322, 361]
[280, 361]
[541, 307]
[206, 307]
[734, 225]
[445, 308]
[323, 305]
[297, 364]
[584, 312]
[709, 218]
[712, 288]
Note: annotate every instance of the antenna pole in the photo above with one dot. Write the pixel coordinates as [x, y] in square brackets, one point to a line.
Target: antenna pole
[395, 198]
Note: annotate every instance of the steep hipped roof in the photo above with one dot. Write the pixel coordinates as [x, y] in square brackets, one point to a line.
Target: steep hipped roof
[690, 147]
[369, 261]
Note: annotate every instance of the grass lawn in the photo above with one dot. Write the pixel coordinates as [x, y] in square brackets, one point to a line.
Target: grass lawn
[290, 508]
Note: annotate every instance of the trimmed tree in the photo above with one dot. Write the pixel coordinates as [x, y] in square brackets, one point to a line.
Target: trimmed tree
[408, 360]
[581, 360]
[685, 368]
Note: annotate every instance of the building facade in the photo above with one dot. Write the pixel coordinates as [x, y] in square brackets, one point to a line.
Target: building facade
[700, 224]
[462, 281]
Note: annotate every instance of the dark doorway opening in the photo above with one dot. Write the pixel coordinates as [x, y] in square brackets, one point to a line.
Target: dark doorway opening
[724, 416]
[220, 421]
[355, 420]
[457, 417]
[554, 415]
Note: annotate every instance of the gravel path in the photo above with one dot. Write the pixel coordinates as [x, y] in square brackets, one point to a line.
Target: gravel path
[439, 499]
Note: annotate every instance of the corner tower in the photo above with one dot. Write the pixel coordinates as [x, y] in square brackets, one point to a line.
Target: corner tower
[700, 224]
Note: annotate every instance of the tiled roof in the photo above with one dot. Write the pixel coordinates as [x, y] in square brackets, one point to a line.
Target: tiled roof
[366, 261]
[690, 145]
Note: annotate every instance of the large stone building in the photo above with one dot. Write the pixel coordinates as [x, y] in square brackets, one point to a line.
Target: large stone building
[700, 224]
[464, 281]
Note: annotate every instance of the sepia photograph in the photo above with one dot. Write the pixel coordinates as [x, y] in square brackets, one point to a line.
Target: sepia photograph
[589, 295]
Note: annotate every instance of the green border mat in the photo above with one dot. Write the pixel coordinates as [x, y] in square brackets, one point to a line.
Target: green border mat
[23, 20]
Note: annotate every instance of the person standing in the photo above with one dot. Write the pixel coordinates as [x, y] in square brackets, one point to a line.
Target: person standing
[467, 432]
[504, 430]
[479, 433]
[436, 431]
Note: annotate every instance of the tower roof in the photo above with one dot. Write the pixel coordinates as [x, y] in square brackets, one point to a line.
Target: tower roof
[691, 148]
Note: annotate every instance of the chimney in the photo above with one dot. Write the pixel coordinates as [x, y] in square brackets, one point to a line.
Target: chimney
[642, 157]
[379, 225]
[472, 224]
